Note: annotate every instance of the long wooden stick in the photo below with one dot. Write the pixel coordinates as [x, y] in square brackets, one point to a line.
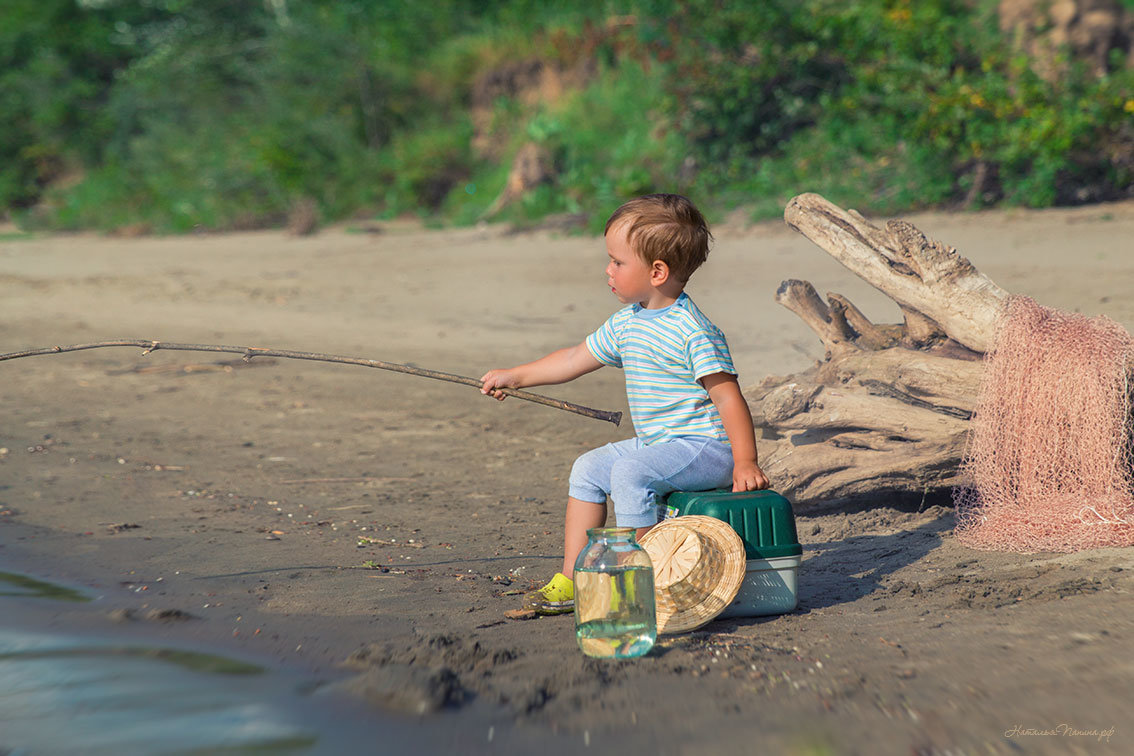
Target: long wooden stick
[250, 352]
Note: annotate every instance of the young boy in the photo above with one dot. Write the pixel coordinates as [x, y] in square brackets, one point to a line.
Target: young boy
[694, 430]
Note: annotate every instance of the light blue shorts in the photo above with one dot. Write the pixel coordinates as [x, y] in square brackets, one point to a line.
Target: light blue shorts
[635, 475]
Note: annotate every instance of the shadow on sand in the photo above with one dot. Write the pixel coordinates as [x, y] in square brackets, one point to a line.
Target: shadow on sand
[845, 570]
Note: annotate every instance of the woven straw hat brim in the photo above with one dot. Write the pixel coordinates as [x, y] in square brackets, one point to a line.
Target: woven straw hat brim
[714, 588]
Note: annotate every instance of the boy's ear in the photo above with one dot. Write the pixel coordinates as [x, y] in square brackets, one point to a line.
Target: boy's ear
[659, 272]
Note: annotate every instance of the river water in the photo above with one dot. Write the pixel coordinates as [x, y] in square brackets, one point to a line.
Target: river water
[66, 692]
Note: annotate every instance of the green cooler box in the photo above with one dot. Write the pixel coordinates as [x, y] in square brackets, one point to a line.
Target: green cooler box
[766, 524]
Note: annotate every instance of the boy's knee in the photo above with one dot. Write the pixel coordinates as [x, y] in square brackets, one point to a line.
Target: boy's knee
[633, 489]
[586, 480]
[582, 471]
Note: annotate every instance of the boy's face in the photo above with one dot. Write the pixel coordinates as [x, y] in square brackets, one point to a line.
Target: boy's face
[627, 275]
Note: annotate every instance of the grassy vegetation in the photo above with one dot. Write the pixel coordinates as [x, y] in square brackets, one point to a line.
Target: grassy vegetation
[174, 115]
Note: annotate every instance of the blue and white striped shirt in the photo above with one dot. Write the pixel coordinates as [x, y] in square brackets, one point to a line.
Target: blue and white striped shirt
[664, 353]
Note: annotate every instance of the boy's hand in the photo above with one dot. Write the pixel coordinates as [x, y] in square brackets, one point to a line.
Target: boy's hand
[747, 476]
[494, 380]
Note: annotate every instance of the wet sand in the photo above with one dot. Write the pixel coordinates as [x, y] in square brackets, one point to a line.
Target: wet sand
[250, 496]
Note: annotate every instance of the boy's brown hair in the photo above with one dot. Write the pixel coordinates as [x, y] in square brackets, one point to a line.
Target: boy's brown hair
[666, 227]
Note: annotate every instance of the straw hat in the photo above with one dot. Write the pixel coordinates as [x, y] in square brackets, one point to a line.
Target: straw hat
[698, 568]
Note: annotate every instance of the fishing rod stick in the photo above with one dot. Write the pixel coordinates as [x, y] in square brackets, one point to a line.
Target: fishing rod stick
[249, 352]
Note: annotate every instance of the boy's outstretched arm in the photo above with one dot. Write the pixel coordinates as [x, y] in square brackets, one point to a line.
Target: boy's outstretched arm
[558, 367]
[724, 391]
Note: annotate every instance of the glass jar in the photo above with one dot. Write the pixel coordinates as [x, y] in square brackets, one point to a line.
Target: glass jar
[615, 617]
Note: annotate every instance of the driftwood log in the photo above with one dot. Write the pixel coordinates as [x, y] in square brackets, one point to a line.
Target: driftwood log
[885, 414]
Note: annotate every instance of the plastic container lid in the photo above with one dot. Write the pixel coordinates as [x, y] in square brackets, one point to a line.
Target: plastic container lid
[763, 519]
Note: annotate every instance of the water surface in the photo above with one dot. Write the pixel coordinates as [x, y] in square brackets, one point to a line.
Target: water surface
[76, 693]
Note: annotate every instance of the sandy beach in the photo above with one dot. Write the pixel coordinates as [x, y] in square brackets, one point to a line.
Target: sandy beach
[251, 496]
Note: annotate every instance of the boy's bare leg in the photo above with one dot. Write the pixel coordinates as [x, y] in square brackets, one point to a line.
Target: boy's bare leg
[581, 517]
[641, 532]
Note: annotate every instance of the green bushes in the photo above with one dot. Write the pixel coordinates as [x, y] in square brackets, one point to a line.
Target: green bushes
[608, 142]
[222, 115]
[889, 106]
[56, 65]
[179, 115]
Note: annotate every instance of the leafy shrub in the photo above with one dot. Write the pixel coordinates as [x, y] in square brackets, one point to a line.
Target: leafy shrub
[179, 115]
[890, 105]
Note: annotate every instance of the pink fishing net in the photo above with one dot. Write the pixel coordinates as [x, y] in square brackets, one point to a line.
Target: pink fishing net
[1050, 463]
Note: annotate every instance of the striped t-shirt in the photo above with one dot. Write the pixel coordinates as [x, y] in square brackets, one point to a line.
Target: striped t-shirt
[664, 353]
